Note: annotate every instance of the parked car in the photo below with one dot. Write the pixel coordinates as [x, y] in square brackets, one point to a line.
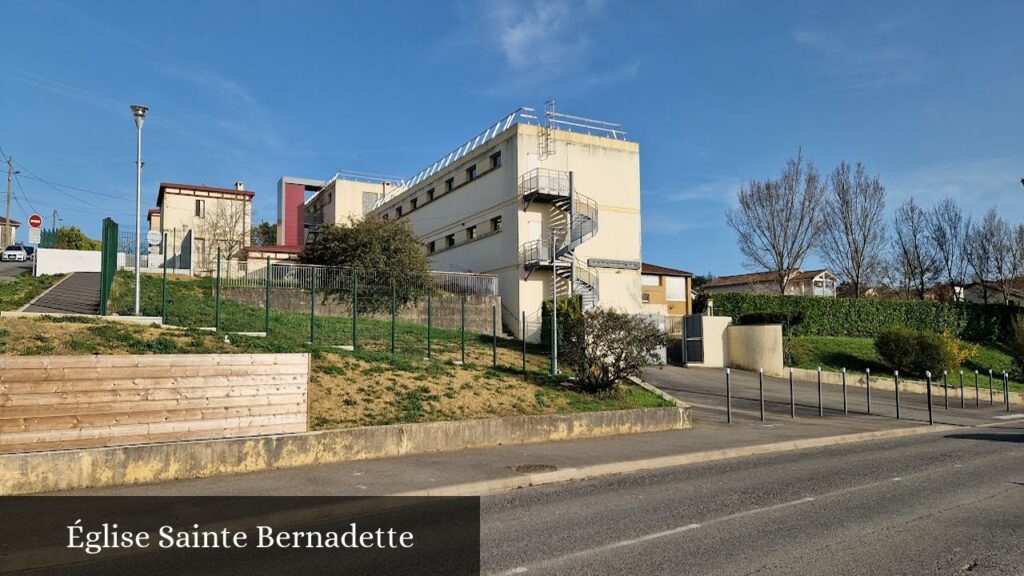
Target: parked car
[14, 253]
[30, 251]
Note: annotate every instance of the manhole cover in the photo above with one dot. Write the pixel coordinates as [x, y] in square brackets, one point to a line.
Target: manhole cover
[534, 468]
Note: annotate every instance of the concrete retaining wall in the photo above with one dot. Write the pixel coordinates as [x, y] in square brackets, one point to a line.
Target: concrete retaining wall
[95, 467]
[916, 386]
[756, 347]
[54, 261]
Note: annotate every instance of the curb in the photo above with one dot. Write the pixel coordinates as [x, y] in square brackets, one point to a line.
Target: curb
[586, 472]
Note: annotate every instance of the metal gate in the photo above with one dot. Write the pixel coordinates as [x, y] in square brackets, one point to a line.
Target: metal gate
[693, 338]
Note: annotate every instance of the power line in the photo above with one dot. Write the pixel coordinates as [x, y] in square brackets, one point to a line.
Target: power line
[24, 194]
[68, 186]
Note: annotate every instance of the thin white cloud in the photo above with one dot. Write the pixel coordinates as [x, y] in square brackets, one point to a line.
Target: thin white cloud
[858, 58]
[976, 184]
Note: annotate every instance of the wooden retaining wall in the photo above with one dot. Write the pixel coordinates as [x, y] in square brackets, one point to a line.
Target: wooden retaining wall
[61, 402]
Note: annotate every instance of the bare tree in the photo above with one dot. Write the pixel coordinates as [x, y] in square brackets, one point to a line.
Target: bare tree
[853, 235]
[1007, 254]
[947, 231]
[979, 250]
[913, 259]
[777, 222]
[224, 227]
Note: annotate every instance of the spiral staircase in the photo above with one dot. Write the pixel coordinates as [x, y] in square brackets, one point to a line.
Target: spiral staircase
[573, 218]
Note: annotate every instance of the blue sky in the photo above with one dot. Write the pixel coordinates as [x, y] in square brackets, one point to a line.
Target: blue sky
[928, 95]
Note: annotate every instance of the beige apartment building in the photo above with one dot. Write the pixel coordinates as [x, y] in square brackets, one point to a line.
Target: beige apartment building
[198, 220]
[548, 205]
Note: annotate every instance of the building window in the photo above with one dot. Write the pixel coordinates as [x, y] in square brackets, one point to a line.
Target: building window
[675, 289]
[496, 224]
[398, 212]
[471, 173]
[449, 184]
[200, 208]
[432, 246]
[449, 240]
[646, 298]
[496, 160]
[430, 195]
[471, 233]
[414, 203]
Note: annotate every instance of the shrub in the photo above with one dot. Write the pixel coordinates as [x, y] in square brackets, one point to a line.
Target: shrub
[898, 347]
[916, 352]
[865, 317]
[1017, 344]
[604, 347]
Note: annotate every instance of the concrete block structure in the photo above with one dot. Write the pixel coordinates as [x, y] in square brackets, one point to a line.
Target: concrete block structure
[551, 205]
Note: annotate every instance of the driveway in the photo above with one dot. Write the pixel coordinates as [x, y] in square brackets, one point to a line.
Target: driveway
[11, 270]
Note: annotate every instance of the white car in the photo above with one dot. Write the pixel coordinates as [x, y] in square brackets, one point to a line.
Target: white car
[14, 254]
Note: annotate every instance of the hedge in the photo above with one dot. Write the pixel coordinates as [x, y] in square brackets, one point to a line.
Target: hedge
[868, 317]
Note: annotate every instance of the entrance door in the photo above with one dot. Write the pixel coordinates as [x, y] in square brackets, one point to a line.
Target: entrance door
[693, 338]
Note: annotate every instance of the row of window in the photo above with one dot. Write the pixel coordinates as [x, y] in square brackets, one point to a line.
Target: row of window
[471, 174]
[469, 234]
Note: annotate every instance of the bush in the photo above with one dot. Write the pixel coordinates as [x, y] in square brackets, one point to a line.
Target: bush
[915, 352]
[870, 317]
[604, 347]
[569, 310]
[1017, 344]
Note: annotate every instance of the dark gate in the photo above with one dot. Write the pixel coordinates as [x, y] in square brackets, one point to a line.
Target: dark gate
[693, 338]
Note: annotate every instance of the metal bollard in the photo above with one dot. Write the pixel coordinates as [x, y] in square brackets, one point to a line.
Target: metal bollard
[945, 388]
[977, 394]
[867, 382]
[821, 409]
[991, 397]
[896, 376]
[931, 420]
[961, 388]
[1006, 390]
[792, 396]
[760, 387]
[845, 408]
[728, 396]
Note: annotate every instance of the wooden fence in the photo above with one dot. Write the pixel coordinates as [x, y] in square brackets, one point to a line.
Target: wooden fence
[62, 402]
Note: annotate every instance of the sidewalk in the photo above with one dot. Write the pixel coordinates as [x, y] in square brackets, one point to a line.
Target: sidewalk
[430, 472]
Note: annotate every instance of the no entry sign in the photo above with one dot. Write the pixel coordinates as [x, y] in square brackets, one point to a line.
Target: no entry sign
[35, 221]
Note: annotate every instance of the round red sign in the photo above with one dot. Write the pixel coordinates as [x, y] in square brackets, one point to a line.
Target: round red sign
[35, 221]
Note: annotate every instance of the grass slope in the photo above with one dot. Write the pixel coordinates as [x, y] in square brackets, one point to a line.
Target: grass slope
[834, 353]
[23, 289]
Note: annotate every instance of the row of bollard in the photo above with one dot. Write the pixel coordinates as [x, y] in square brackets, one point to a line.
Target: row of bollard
[867, 380]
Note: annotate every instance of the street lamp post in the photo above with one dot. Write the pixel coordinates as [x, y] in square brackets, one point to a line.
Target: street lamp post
[139, 112]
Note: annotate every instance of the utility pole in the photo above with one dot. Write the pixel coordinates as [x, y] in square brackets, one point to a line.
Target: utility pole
[554, 306]
[8, 239]
[139, 112]
[54, 218]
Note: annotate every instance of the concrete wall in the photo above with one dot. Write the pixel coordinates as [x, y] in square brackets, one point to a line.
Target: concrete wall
[76, 469]
[755, 347]
[54, 261]
[716, 344]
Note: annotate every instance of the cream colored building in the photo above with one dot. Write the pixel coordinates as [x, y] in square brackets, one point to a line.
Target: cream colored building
[521, 192]
[216, 217]
[801, 283]
[344, 198]
[666, 291]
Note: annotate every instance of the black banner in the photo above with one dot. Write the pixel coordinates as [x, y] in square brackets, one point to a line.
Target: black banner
[378, 536]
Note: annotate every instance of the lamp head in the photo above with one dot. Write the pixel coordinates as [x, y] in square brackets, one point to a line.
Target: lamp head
[139, 112]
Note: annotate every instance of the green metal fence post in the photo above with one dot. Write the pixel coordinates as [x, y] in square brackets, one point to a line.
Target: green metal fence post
[394, 311]
[216, 309]
[355, 305]
[430, 321]
[266, 300]
[163, 291]
[463, 330]
[312, 306]
[522, 335]
[494, 334]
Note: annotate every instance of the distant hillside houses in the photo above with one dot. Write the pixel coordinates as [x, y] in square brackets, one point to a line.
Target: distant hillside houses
[801, 283]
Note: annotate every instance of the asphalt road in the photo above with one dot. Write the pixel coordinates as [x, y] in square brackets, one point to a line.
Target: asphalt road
[944, 504]
[704, 389]
[10, 270]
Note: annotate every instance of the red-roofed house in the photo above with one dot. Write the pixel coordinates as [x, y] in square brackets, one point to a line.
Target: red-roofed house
[801, 283]
[215, 217]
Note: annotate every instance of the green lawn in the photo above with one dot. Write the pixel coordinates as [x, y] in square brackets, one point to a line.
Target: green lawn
[23, 289]
[834, 353]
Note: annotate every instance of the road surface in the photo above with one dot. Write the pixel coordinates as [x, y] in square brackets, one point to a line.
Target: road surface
[938, 504]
